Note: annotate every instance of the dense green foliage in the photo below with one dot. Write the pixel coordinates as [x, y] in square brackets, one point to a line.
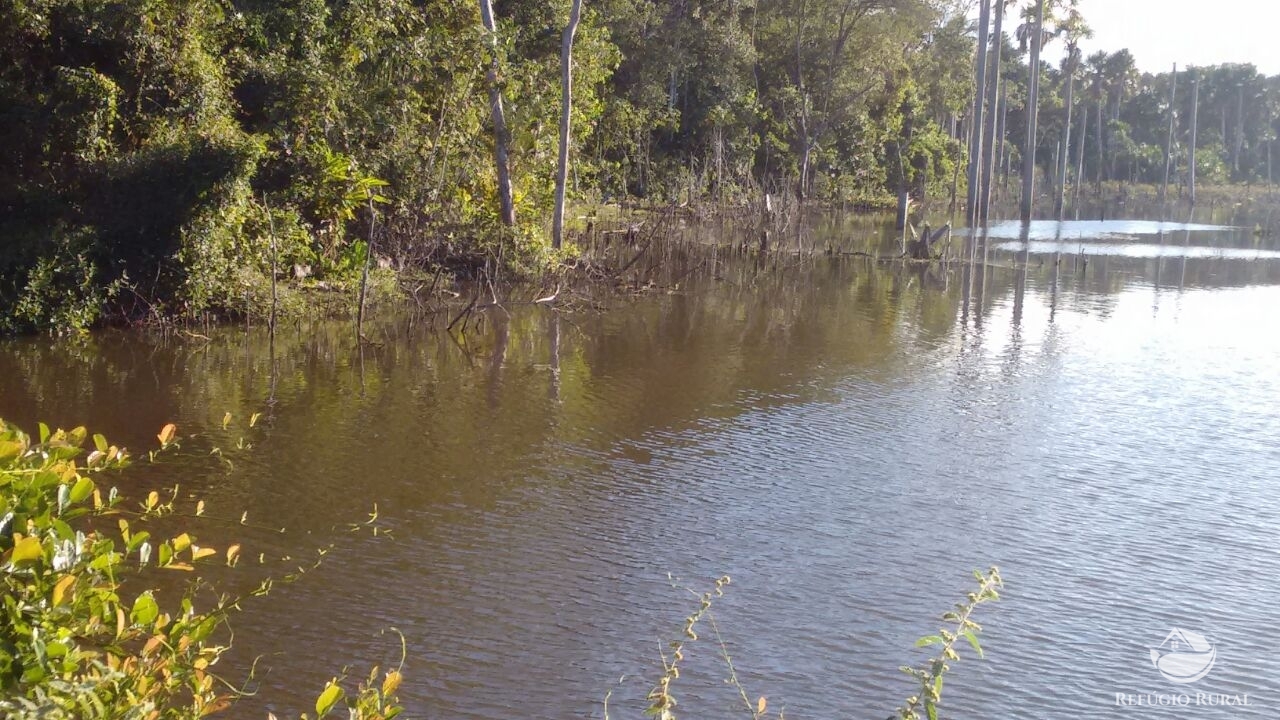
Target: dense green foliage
[1237, 121]
[83, 632]
[164, 152]
[166, 156]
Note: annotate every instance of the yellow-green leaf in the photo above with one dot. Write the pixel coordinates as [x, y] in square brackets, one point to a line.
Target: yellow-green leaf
[81, 490]
[27, 549]
[330, 697]
[929, 640]
[76, 437]
[391, 682]
[180, 543]
[60, 590]
[145, 610]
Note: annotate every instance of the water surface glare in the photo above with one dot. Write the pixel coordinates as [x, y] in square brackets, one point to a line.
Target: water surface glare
[846, 440]
[1095, 230]
[1138, 250]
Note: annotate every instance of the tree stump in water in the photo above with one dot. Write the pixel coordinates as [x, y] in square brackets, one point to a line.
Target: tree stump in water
[921, 248]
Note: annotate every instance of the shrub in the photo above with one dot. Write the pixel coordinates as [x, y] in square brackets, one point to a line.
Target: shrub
[74, 642]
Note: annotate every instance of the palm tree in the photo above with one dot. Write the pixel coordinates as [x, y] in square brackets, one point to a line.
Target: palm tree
[1120, 79]
[1074, 29]
[1032, 31]
[1097, 63]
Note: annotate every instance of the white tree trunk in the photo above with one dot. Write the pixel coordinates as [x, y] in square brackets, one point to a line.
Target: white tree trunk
[978, 124]
[566, 109]
[1195, 112]
[1168, 148]
[994, 125]
[1033, 112]
[1075, 187]
[501, 137]
[1064, 156]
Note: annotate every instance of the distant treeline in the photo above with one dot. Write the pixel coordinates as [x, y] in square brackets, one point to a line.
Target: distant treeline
[162, 156]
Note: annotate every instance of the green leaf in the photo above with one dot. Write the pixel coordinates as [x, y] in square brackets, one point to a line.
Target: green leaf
[330, 697]
[44, 433]
[100, 443]
[138, 538]
[928, 640]
[973, 641]
[145, 609]
[81, 490]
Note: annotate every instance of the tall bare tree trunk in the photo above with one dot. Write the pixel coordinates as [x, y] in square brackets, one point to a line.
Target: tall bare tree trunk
[566, 108]
[805, 145]
[904, 189]
[1101, 152]
[1002, 131]
[995, 131]
[1075, 187]
[501, 136]
[1239, 144]
[1195, 112]
[1033, 112]
[978, 124]
[1168, 147]
[1063, 156]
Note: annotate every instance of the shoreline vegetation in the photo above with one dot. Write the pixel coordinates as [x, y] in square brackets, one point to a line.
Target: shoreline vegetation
[614, 251]
[78, 638]
[182, 159]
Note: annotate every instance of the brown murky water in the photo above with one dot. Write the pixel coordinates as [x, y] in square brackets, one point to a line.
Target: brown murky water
[846, 439]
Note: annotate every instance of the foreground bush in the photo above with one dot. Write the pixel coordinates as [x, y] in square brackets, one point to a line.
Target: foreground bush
[74, 641]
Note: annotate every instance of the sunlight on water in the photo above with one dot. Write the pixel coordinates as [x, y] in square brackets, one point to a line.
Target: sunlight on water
[1138, 250]
[1099, 229]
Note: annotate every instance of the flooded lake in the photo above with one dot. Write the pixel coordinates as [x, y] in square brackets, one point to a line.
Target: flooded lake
[847, 439]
